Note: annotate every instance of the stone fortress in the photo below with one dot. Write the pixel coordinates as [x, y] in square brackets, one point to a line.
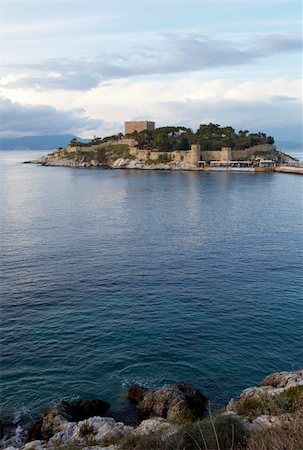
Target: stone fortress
[195, 156]
[123, 152]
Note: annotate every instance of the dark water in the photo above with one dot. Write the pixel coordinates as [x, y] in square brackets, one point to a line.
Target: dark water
[116, 277]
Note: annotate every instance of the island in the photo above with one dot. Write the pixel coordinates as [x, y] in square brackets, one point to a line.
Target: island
[143, 146]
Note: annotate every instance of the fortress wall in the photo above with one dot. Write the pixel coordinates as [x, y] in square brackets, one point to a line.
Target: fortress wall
[181, 156]
[176, 156]
[139, 154]
[216, 155]
[237, 154]
[125, 141]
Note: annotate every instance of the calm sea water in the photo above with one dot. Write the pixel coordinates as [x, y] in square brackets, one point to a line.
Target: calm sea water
[116, 277]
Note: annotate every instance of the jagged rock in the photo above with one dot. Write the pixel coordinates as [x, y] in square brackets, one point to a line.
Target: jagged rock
[102, 428]
[55, 418]
[283, 379]
[36, 445]
[136, 393]
[172, 402]
[155, 426]
[62, 437]
[272, 402]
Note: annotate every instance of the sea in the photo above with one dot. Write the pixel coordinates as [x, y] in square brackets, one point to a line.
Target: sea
[115, 277]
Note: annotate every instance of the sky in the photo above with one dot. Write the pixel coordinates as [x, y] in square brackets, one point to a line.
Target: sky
[85, 66]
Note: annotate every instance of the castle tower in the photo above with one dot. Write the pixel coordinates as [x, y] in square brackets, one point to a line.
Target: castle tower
[195, 152]
[226, 153]
[131, 127]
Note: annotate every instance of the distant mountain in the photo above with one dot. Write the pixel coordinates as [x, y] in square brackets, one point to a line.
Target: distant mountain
[289, 145]
[37, 142]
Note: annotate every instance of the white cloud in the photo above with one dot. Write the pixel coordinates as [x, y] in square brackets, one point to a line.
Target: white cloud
[185, 100]
[175, 54]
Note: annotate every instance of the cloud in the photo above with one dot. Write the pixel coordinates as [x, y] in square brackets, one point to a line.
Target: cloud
[276, 43]
[174, 54]
[21, 120]
[283, 98]
[186, 99]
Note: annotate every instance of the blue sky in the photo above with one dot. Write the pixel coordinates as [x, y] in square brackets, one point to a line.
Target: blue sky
[86, 66]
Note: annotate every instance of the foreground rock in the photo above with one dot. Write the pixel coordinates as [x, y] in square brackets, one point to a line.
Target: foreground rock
[272, 411]
[56, 417]
[54, 160]
[174, 402]
[277, 399]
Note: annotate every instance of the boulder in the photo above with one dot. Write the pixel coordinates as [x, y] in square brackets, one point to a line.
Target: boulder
[157, 425]
[174, 402]
[136, 393]
[55, 418]
[102, 428]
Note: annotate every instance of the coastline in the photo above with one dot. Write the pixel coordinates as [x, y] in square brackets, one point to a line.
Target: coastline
[127, 164]
[275, 404]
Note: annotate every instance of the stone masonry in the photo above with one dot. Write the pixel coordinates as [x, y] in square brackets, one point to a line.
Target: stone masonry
[131, 127]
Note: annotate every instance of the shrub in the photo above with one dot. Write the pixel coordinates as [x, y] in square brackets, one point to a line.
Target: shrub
[86, 429]
[70, 155]
[151, 441]
[213, 433]
[120, 151]
[218, 432]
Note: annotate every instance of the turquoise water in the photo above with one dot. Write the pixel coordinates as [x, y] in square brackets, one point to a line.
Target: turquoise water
[115, 277]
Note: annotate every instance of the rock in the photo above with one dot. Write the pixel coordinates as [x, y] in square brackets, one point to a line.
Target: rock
[283, 379]
[272, 402]
[136, 393]
[102, 428]
[62, 437]
[173, 402]
[267, 421]
[34, 431]
[36, 445]
[55, 418]
[155, 426]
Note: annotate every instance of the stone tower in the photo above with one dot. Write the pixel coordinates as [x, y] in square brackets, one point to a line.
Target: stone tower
[195, 152]
[131, 127]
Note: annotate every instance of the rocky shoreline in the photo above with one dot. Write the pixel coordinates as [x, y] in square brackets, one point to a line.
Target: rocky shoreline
[171, 417]
[120, 163]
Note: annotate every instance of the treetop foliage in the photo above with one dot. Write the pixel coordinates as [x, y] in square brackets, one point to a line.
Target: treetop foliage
[210, 136]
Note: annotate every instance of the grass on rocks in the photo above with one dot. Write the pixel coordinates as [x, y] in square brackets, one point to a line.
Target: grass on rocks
[288, 401]
[219, 433]
[288, 435]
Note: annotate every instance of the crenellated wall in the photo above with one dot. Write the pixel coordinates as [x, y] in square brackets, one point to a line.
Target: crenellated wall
[238, 154]
[175, 156]
[192, 156]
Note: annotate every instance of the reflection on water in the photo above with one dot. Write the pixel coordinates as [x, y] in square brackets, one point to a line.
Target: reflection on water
[115, 277]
